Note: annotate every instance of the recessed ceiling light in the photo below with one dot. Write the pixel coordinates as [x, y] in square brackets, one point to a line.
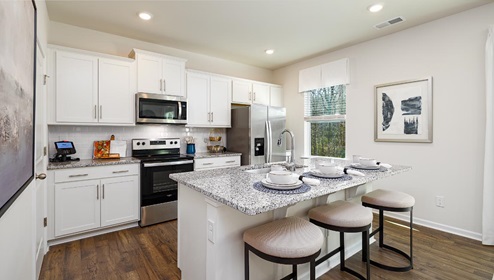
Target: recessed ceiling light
[145, 16]
[270, 51]
[375, 8]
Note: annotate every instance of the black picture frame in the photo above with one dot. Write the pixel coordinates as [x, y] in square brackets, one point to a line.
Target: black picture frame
[17, 93]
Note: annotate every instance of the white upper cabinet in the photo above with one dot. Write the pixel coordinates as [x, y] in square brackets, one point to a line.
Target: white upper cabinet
[76, 88]
[161, 74]
[251, 92]
[276, 96]
[208, 100]
[90, 89]
[116, 91]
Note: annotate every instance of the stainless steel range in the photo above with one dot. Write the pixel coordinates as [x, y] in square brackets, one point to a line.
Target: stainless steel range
[159, 158]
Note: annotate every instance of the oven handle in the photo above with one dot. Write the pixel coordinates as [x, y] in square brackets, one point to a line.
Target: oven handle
[182, 162]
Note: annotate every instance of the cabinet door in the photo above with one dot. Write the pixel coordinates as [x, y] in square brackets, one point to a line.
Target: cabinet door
[149, 73]
[198, 113]
[119, 200]
[241, 92]
[276, 96]
[220, 92]
[116, 91]
[76, 87]
[260, 94]
[173, 77]
[77, 206]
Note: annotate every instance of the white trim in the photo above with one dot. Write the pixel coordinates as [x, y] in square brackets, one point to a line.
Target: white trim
[437, 226]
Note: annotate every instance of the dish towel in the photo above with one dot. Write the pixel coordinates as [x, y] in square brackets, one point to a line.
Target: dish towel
[308, 181]
[353, 172]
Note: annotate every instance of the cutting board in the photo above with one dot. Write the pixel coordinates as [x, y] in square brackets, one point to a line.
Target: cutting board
[101, 149]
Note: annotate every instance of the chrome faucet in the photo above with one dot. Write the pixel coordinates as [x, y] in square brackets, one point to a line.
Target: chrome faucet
[291, 163]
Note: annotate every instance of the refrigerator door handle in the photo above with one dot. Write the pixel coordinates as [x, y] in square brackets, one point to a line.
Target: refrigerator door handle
[269, 140]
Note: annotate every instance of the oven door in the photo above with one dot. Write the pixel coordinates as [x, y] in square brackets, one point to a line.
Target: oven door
[156, 185]
[157, 108]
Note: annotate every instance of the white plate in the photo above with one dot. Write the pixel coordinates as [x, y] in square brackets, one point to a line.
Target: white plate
[269, 184]
[318, 173]
[360, 166]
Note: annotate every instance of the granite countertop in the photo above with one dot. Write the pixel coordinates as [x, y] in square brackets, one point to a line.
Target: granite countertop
[234, 187]
[213, 155]
[91, 162]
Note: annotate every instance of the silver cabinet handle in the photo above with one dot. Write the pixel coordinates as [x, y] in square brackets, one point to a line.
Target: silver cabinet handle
[97, 192]
[78, 175]
[207, 163]
[100, 111]
[212, 116]
[254, 96]
[161, 84]
[103, 191]
[230, 161]
[121, 171]
[95, 111]
[164, 85]
[209, 116]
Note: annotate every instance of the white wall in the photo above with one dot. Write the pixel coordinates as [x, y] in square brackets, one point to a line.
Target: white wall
[91, 40]
[17, 224]
[451, 50]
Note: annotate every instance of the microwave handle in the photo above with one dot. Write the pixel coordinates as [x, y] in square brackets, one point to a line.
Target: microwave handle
[179, 110]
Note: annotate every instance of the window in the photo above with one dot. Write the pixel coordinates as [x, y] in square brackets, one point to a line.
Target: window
[325, 111]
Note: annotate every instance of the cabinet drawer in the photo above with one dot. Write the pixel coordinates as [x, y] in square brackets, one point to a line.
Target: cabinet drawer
[215, 162]
[89, 173]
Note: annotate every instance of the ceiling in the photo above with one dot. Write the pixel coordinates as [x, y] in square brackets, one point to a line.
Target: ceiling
[241, 30]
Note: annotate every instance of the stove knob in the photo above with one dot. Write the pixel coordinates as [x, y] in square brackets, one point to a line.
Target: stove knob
[138, 143]
[143, 143]
[175, 142]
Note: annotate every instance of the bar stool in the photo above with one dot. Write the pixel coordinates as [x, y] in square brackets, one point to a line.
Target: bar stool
[344, 216]
[385, 200]
[289, 240]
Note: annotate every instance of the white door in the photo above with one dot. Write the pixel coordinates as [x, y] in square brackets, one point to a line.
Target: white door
[220, 92]
[119, 200]
[260, 94]
[40, 161]
[241, 92]
[173, 77]
[116, 91]
[149, 75]
[76, 87]
[198, 113]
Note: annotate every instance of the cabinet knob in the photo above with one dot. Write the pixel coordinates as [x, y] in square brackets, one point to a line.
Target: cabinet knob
[40, 176]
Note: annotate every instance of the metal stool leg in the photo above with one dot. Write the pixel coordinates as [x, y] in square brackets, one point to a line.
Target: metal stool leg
[246, 261]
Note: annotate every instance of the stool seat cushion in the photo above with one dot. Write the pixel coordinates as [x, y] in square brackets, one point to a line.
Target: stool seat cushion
[386, 198]
[342, 214]
[291, 237]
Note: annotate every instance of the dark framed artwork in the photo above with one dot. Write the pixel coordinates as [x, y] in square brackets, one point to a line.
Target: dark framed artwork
[17, 98]
[404, 111]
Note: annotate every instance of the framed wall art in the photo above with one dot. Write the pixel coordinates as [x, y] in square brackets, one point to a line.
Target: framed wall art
[17, 86]
[404, 111]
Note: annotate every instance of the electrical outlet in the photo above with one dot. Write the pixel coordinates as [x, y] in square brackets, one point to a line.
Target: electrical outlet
[440, 201]
[211, 231]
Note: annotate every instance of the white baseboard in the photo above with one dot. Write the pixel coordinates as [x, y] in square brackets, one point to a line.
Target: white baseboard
[426, 223]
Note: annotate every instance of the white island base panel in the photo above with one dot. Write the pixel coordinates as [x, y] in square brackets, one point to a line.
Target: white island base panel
[210, 244]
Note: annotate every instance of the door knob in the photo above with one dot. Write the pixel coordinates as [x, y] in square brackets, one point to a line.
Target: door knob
[41, 176]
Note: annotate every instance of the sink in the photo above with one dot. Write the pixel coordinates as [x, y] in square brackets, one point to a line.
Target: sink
[259, 171]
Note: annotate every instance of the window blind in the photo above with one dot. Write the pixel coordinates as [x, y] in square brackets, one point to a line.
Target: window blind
[325, 104]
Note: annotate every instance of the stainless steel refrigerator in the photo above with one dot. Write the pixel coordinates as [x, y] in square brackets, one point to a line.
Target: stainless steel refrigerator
[254, 133]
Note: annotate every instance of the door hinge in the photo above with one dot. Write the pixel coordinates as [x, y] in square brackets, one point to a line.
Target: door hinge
[44, 79]
[45, 151]
[45, 221]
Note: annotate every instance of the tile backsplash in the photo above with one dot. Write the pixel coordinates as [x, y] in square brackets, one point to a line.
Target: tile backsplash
[83, 136]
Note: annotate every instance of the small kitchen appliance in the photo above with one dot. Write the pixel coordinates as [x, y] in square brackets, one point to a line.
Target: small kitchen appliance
[64, 149]
[159, 158]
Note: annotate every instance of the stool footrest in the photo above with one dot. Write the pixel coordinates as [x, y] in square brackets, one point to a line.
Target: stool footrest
[394, 268]
[354, 273]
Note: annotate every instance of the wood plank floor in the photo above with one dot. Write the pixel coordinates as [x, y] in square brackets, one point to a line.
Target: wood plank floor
[151, 253]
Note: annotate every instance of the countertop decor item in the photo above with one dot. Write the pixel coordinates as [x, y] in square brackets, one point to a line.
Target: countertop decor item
[404, 111]
[101, 149]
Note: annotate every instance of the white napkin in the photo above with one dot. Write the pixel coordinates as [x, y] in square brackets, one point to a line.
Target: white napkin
[354, 172]
[308, 181]
[385, 165]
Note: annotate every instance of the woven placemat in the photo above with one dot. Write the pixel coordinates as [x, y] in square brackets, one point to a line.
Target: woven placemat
[345, 177]
[260, 187]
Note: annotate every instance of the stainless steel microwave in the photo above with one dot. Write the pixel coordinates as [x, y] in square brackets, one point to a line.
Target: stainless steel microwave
[160, 109]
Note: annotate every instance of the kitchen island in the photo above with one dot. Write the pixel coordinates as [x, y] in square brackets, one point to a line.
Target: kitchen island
[215, 207]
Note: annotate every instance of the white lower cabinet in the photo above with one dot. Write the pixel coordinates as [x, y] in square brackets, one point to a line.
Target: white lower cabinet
[85, 199]
[216, 162]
